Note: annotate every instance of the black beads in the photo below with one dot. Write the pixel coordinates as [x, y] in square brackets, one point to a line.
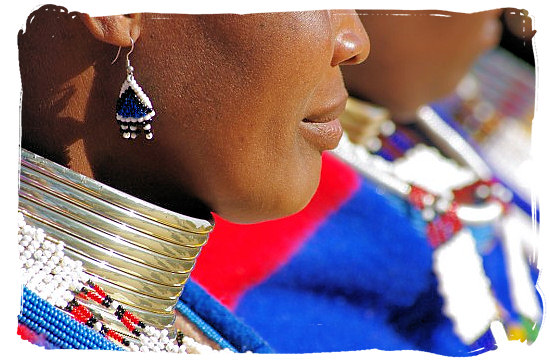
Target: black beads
[91, 322]
[134, 111]
[119, 313]
[107, 301]
[179, 338]
[129, 105]
[103, 330]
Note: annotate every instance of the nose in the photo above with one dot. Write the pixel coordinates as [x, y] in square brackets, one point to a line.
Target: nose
[352, 45]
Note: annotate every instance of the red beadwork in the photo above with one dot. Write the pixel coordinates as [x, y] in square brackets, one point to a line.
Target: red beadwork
[451, 219]
[83, 314]
[99, 291]
[95, 297]
[132, 317]
[76, 311]
[416, 196]
[80, 314]
[128, 318]
[466, 194]
[114, 335]
[444, 227]
[127, 322]
[435, 237]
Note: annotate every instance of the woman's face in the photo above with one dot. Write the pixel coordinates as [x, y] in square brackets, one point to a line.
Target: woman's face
[245, 104]
[419, 58]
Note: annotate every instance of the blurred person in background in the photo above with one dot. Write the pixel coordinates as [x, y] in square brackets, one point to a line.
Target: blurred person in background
[419, 235]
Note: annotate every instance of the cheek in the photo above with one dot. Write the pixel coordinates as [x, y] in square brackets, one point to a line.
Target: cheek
[236, 135]
[284, 169]
[260, 161]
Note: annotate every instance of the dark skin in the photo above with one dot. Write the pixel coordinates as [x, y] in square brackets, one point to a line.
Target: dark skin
[240, 101]
[233, 95]
[419, 58]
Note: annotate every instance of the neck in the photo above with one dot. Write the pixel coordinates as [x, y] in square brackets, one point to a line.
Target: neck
[144, 184]
[86, 143]
[140, 253]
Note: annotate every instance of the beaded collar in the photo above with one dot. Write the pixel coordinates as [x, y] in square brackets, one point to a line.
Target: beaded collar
[450, 212]
[139, 253]
[444, 213]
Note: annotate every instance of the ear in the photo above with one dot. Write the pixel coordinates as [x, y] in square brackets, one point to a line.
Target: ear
[115, 30]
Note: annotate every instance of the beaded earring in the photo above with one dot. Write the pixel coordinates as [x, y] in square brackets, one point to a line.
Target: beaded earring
[134, 111]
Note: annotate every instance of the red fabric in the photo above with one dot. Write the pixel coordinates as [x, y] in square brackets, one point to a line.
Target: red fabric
[27, 334]
[238, 257]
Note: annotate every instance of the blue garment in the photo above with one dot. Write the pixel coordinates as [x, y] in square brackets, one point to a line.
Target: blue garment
[363, 280]
[216, 317]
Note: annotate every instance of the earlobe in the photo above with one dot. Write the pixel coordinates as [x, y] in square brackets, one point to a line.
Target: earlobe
[115, 30]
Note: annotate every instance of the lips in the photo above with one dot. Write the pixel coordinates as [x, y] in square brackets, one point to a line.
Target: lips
[324, 130]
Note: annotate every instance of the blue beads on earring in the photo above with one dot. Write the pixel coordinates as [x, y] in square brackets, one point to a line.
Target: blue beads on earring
[134, 111]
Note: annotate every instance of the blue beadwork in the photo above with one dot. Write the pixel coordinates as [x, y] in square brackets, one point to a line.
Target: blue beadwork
[60, 330]
[401, 141]
[209, 331]
[130, 106]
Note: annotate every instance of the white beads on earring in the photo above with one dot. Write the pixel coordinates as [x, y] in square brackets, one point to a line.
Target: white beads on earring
[134, 111]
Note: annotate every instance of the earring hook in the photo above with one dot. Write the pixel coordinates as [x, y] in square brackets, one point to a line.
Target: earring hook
[127, 55]
[129, 52]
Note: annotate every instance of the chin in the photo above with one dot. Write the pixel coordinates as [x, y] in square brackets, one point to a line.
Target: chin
[280, 190]
[286, 202]
[263, 213]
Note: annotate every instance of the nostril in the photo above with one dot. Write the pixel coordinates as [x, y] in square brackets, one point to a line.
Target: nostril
[354, 60]
[351, 61]
[351, 48]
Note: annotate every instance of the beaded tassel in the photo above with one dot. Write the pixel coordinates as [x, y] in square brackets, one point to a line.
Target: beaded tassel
[134, 111]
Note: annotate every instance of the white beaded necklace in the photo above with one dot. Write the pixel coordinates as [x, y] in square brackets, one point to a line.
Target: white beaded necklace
[53, 276]
[141, 254]
[81, 242]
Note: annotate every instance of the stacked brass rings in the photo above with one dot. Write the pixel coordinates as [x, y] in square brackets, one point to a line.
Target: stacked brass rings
[139, 253]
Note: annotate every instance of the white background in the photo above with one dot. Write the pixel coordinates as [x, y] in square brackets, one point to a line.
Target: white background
[14, 17]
